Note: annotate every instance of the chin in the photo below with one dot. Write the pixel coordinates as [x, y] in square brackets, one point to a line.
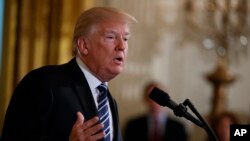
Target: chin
[118, 69]
[115, 72]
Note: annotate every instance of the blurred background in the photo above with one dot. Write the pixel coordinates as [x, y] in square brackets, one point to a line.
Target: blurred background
[196, 49]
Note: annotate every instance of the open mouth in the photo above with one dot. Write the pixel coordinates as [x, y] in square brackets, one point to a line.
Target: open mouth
[119, 59]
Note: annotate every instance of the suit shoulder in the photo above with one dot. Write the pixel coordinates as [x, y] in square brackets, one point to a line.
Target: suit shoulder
[135, 121]
[46, 75]
[174, 121]
[42, 72]
[138, 118]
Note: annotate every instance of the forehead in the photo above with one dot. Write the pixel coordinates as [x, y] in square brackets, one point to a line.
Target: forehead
[114, 26]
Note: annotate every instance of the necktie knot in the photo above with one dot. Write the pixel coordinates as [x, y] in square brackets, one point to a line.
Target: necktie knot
[102, 88]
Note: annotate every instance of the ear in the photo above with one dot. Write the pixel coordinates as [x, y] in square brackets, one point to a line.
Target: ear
[82, 46]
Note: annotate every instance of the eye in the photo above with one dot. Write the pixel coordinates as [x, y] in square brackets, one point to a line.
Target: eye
[110, 36]
[125, 39]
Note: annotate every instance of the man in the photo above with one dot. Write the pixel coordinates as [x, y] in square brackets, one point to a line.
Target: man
[154, 125]
[70, 102]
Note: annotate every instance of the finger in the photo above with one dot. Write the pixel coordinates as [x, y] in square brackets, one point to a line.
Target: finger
[80, 119]
[90, 123]
[93, 130]
[77, 130]
[97, 136]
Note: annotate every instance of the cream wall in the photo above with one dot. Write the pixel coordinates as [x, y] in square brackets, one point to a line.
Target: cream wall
[181, 68]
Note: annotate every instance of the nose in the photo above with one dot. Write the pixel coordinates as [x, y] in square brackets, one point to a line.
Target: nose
[121, 45]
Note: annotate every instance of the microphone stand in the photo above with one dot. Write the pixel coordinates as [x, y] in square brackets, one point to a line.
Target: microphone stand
[180, 110]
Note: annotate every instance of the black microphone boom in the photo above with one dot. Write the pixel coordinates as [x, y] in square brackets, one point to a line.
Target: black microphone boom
[163, 99]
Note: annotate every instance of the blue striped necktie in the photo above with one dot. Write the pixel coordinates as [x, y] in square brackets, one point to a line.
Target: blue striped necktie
[103, 110]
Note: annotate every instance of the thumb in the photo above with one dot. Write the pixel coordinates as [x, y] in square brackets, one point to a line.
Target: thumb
[79, 120]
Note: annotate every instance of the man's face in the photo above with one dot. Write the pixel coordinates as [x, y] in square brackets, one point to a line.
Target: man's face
[107, 49]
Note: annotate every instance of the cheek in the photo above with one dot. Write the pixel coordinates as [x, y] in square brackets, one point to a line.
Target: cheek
[126, 52]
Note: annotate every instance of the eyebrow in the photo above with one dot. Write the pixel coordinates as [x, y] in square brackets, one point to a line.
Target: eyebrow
[114, 32]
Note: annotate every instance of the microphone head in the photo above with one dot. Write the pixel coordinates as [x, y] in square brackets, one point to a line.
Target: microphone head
[159, 96]
[162, 98]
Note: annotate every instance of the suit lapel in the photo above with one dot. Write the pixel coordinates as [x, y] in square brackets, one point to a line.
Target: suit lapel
[87, 102]
[114, 111]
[82, 90]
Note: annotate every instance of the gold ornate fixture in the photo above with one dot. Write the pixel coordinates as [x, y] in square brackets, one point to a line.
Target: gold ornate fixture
[221, 26]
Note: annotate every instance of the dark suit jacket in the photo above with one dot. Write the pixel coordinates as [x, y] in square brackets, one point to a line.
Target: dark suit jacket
[137, 129]
[45, 103]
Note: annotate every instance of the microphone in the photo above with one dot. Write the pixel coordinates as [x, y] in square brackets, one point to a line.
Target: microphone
[163, 99]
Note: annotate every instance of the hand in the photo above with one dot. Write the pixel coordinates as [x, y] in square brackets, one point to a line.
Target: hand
[86, 130]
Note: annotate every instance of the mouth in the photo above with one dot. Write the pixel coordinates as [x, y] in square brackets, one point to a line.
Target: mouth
[118, 59]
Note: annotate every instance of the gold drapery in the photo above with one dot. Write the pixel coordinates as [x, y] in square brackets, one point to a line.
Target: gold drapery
[36, 33]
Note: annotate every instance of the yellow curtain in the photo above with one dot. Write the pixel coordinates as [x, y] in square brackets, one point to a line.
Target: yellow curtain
[36, 33]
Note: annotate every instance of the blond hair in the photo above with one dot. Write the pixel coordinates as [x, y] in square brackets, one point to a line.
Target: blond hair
[91, 17]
